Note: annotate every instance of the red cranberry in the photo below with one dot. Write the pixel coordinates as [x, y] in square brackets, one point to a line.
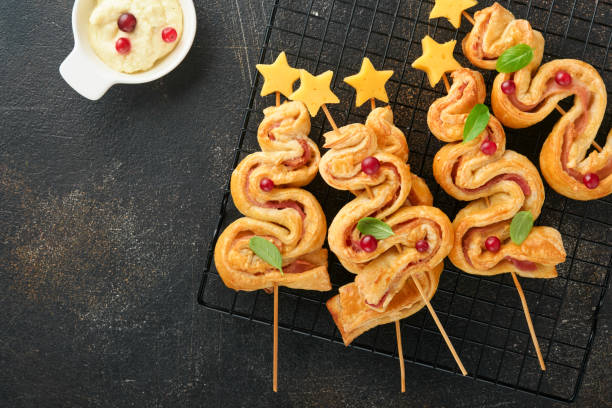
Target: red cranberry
[508, 87]
[488, 147]
[368, 243]
[126, 22]
[492, 244]
[266, 184]
[169, 34]
[123, 45]
[591, 180]
[421, 245]
[563, 78]
[370, 165]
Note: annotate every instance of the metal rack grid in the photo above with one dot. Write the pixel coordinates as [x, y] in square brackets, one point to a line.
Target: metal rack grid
[482, 315]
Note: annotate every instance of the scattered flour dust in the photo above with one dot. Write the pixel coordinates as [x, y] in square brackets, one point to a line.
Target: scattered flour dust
[78, 252]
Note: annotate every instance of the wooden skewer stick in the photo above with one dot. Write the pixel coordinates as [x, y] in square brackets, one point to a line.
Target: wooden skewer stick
[400, 355]
[528, 318]
[398, 332]
[275, 358]
[329, 118]
[596, 146]
[468, 17]
[439, 324]
[557, 107]
[275, 335]
[446, 83]
[529, 322]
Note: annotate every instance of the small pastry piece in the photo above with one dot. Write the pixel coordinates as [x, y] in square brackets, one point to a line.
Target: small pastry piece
[278, 76]
[314, 91]
[437, 59]
[383, 290]
[495, 30]
[451, 9]
[354, 317]
[498, 182]
[526, 97]
[264, 187]
[369, 83]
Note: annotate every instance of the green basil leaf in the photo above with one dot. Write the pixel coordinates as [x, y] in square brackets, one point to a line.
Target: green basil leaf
[267, 251]
[521, 226]
[476, 122]
[514, 58]
[374, 227]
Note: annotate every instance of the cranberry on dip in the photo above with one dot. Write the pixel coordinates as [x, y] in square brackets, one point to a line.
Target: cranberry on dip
[132, 35]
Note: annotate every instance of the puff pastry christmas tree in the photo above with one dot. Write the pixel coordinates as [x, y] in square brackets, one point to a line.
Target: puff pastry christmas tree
[504, 187]
[280, 239]
[389, 235]
[526, 94]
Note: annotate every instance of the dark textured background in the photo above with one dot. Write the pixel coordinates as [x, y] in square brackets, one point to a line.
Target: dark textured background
[106, 210]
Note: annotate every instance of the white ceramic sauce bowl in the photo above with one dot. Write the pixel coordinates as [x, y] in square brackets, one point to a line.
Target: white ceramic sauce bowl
[91, 77]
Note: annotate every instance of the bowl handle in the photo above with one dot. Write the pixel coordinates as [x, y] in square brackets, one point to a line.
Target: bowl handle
[83, 75]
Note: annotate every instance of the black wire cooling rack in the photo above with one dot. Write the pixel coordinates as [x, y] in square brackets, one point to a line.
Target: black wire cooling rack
[483, 315]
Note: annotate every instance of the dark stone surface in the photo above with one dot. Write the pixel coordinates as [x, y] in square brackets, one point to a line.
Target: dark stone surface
[106, 210]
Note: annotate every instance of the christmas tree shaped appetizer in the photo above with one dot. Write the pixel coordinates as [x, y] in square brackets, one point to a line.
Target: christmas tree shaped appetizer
[494, 233]
[389, 235]
[280, 239]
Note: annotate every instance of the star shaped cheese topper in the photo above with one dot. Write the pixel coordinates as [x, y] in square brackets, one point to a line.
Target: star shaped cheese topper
[452, 10]
[314, 91]
[437, 59]
[278, 76]
[369, 83]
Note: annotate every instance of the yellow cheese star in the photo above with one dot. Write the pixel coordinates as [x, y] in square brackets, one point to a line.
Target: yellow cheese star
[436, 59]
[369, 83]
[314, 91]
[278, 76]
[451, 9]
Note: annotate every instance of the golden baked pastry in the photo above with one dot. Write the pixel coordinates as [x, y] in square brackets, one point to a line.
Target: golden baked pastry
[286, 215]
[382, 291]
[565, 160]
[354, 317]
[508, 180]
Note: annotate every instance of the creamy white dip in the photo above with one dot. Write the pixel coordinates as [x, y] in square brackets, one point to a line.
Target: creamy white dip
[147, 45]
